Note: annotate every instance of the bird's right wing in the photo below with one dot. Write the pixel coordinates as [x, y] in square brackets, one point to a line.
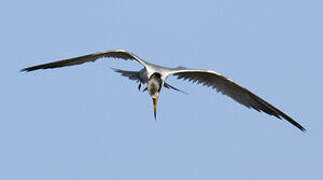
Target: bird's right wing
[132, 75]
[230, 88]
[122, 54]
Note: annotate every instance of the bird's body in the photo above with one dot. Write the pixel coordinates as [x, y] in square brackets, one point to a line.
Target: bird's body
[155, 77]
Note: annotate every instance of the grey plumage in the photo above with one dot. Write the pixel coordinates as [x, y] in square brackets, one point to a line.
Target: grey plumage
[155, 83]
[233, 90]
[122, 54]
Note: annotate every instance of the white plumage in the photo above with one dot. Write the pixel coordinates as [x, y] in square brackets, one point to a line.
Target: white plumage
[155, 77]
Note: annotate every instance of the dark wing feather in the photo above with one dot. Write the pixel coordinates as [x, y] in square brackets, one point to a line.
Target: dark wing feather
[168, 86]
[233, 90]
[122, 54]
[132, 75]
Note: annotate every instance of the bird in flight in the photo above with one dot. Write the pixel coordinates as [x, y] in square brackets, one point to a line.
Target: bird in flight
[155, 76]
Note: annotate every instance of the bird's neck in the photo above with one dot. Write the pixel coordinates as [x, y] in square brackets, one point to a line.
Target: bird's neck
[154, 85]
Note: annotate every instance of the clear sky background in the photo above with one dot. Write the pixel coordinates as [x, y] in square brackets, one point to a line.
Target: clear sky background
[87, 122]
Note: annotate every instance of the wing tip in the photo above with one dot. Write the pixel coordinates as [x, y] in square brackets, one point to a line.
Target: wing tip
[25, 70]
[300, 127]
[293, 122]
[33, 68]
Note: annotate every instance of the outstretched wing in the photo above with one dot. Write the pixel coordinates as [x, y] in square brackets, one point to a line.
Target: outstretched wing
[235, 91]
[122, 54]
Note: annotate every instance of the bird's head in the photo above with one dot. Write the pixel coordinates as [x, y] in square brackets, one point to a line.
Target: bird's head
[154, 86]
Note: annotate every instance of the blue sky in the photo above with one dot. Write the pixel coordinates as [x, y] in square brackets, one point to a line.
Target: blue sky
[87, 122]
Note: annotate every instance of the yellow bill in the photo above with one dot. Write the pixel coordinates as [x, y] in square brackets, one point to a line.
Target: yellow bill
[155, 106]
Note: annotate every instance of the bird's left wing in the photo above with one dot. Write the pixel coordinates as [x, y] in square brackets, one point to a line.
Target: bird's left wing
[122, 54]
[168, 86]
[230, 88]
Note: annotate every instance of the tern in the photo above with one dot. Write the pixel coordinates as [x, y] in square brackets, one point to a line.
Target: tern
[155, 76]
